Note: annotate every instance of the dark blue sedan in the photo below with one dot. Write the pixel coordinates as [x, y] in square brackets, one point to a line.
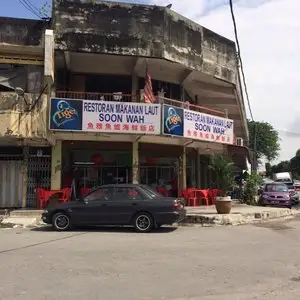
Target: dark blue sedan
[122, 204]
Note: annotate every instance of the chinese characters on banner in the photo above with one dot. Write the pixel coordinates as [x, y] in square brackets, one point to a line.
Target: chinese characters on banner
[138, 118]
[200, 126]
[121, 117]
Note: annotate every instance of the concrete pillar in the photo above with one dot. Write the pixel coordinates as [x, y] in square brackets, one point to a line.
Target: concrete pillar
[56, 158]
[25, 176]
[135, 163]
[182, 170]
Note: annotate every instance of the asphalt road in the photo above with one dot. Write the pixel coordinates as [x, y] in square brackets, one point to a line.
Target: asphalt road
[245, 262]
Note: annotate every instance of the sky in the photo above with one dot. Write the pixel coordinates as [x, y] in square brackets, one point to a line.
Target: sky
[268, 32]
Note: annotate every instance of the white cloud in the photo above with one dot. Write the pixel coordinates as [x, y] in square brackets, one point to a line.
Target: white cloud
[269, 38]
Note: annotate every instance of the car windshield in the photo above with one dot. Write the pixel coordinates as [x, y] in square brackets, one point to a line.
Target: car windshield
[290, 186]
[151, 192]
[276, 188]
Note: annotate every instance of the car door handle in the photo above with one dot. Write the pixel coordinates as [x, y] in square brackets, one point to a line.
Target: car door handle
[104, 204]
[134, 204]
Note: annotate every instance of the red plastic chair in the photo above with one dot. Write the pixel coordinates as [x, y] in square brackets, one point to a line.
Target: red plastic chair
[204, 194]
[213, 194]
[192, 198]
[66, 195]
[41, 198]
[195, 196]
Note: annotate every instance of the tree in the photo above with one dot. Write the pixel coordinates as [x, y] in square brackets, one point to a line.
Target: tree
[266, 139]
[298, 152]
[283, 166]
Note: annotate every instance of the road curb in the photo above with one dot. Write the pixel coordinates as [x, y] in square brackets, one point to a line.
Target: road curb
[237, 218]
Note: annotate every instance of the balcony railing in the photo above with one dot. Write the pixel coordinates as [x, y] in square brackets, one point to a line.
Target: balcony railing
[98, 96]
[193, 107]
[135, 98]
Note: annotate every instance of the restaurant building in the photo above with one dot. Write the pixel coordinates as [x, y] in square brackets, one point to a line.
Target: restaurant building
[104, 124]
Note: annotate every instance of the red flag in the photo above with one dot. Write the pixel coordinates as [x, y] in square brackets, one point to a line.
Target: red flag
[148, 92]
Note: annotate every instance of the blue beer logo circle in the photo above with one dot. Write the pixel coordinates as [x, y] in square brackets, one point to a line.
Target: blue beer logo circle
[64, 113]
[173, 120]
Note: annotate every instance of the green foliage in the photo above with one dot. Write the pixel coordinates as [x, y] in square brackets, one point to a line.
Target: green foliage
[224, 169]
[295, 164]
[251, 189]
[267, 140]
[283, 166]
[292, 166]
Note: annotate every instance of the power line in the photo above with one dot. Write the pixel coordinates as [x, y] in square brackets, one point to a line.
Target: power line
[31, 8]
[25, 5]
[32, 5]
[240, 58]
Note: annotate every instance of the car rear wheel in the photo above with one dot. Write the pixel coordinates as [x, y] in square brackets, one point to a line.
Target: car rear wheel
[61, 222]
[143, 222]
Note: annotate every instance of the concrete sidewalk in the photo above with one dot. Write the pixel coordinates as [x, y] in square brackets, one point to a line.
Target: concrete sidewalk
[203, 215]
[240, 214]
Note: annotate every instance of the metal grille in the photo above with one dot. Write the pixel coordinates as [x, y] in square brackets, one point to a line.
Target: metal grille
[39, 176]
[11, 183]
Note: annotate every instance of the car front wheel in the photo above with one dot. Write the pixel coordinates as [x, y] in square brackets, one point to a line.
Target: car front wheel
[143, 222]
[61, 221]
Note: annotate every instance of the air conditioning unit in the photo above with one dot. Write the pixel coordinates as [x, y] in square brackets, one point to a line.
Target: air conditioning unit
[239, 142]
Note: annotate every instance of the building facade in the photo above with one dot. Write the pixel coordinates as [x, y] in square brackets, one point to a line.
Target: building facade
[83, 114]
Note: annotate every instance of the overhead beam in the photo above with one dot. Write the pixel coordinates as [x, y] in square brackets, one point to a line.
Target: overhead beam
[21, 50]
[211, 87]
[186, 76]
[21, 60]
[137, 65]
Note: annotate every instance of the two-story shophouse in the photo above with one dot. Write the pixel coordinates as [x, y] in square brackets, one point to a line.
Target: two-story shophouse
[99, 121]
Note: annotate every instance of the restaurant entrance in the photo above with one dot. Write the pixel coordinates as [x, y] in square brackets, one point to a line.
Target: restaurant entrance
[90, 176]
[93, 165]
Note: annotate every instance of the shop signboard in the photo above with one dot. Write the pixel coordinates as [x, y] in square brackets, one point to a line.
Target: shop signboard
[173, 122]
[65, 114]
[105, 116]
[205, 127]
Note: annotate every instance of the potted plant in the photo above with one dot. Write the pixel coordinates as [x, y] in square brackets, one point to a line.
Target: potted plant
[223, 168]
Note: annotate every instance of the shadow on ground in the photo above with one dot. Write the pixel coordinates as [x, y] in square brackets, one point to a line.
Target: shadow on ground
[120, 229]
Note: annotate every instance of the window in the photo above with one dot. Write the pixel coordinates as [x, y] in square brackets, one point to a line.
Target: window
[276, 188]
[100, 194]
[127, 193]
[151, 192]
[289, 185]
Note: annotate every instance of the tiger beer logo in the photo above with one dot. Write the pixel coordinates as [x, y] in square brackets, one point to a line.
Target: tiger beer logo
[65, 113]
[173, 120]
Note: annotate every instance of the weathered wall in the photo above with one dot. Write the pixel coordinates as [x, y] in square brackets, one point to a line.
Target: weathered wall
[16, 122]
[22, 31]
[142, 30]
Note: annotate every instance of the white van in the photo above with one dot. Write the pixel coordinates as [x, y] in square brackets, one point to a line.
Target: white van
[283, 177]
